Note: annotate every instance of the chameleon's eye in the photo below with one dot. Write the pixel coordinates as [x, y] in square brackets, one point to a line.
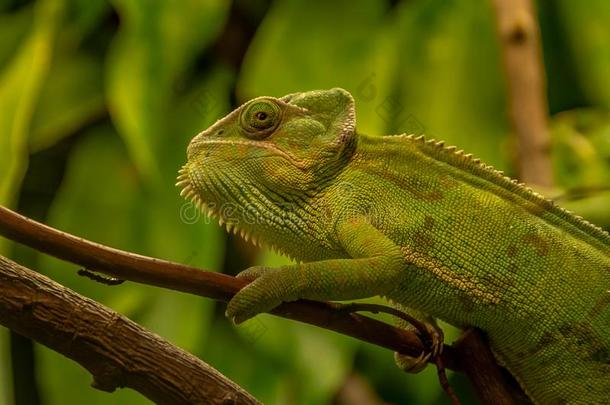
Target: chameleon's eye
[260, 118]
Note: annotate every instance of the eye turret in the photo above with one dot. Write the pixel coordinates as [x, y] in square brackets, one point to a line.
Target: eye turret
[260, 118]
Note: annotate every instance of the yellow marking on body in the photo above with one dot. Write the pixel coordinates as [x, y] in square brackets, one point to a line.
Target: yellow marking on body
[450, 277]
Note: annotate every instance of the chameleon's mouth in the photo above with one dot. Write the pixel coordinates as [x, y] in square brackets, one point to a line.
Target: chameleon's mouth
[271, 148]
[190, 193]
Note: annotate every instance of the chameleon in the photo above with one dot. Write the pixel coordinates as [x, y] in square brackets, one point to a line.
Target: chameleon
[426, 226]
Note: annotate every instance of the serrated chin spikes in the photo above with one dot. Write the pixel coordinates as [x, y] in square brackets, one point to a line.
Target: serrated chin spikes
[189, 194]
[182, 178]
[185, 191]
[182, 182]
[195, 200]
[221, 221]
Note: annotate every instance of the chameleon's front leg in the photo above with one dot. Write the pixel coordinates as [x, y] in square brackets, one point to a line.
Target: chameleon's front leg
[374, 266]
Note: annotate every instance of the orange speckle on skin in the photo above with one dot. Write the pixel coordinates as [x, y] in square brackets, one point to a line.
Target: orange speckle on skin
[512, 250]
[540, 245]
[600, 305]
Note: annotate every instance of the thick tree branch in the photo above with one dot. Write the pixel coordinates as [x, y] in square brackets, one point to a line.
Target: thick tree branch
[129, 266]
[520, 44]
[116, 351]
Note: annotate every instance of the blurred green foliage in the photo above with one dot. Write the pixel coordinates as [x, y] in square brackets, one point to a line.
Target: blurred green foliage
[114, 90]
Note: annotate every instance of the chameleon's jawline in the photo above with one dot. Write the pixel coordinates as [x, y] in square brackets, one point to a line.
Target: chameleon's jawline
[299, 163]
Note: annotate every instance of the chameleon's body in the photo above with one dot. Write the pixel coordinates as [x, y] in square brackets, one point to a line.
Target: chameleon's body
[428, 227]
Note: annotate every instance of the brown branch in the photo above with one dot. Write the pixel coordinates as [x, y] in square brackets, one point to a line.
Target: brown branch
[493, 387]
[222, 287]
[115, 350]
[520, 44]
[147, 270]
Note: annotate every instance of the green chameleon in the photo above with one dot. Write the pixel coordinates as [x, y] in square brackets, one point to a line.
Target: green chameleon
[426, 226]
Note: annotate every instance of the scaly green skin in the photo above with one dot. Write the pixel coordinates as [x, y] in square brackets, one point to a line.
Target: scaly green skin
[423, 225]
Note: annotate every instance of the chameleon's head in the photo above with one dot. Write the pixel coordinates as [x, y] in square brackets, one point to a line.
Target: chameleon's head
[270, 151]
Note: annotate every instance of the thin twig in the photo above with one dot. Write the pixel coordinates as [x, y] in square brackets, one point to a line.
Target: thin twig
[115, 350]
[520, 44]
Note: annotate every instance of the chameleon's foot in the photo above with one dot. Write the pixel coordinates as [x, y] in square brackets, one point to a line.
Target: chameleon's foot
[258, 296]
[434, 340]
[412, 364]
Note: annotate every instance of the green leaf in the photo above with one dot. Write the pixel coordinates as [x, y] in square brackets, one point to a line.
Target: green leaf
[581, 161]
[581, 148]
[589, 38]
[14, 28]
[443, 85]
[71, 96]
[20, 84]
[157, 41]
[290, 54]
[84, 17]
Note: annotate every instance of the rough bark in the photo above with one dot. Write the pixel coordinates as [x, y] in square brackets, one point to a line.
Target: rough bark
[115, 350]
[492, 385]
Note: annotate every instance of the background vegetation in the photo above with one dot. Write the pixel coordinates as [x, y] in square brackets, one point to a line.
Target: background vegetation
[99, 98]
